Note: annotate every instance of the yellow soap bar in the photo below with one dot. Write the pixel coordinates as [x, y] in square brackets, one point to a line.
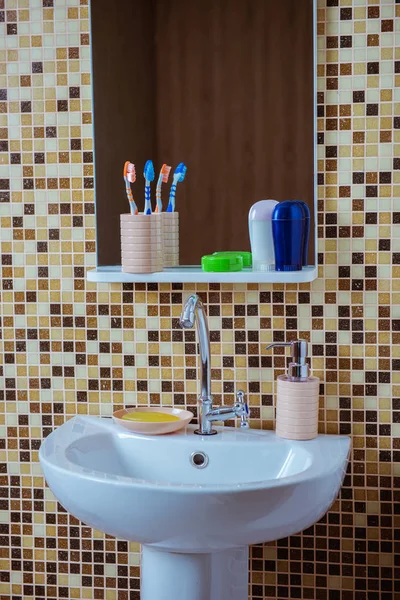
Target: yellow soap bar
[149, 417]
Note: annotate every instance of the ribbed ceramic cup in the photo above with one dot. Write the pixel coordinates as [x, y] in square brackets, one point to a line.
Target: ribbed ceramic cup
[170, 239]
[141, 243]
[297, 405]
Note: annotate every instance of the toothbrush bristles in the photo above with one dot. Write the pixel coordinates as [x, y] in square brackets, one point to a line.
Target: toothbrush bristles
[131, 173]
[165, 170]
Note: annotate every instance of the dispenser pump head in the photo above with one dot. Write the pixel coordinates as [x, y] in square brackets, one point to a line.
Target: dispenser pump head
[298, 367]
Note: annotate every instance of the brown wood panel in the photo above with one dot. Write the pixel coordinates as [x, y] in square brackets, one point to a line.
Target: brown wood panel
[124, 108]
[235, 102]
[228, 90]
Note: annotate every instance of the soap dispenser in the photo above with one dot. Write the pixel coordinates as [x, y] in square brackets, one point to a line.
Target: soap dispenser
[297, 398]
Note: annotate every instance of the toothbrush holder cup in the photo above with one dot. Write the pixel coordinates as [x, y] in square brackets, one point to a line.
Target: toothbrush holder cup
[170, 239]
[141, 243]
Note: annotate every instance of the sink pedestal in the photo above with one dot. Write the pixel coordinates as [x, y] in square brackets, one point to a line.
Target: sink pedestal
[173, 576]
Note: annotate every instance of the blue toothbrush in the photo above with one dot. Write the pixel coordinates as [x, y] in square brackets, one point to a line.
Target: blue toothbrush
[179, 175]
[149, 177]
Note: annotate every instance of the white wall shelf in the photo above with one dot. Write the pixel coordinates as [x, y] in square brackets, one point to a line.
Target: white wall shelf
[188, 274]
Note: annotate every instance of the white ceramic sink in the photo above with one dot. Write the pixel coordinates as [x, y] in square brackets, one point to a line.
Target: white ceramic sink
[256, 487]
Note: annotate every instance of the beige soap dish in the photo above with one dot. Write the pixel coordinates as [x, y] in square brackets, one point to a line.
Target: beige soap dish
[159, 427]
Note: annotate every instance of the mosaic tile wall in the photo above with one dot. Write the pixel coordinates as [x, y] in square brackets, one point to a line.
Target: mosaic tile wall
[70, 347]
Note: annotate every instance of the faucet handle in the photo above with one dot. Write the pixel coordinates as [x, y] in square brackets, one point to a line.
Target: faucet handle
[242, 409]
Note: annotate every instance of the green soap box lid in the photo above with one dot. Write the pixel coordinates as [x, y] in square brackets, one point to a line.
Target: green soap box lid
[246, 256]
[227, 262]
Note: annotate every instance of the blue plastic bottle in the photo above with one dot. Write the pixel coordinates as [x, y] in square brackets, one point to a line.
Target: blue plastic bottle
[288, 230]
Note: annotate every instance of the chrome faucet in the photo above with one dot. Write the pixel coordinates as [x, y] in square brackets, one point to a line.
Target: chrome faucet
[193, 312]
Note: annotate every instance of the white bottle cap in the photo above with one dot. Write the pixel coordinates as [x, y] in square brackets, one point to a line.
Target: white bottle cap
[260, 232]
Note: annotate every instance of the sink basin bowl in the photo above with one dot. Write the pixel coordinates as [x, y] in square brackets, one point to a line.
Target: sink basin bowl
[252, 485]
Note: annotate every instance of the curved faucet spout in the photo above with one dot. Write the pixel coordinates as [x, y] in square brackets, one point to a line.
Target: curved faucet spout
[194, 312]
[187, 316]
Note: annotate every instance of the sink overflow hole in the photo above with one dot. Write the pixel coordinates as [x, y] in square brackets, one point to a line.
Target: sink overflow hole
[199, 460]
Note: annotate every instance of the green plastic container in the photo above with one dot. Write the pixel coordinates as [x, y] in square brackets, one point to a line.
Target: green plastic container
[222, 262]
[246, 256]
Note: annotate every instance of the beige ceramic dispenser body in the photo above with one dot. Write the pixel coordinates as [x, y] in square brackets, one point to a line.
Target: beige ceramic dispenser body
[297, 408]
[297, 397]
